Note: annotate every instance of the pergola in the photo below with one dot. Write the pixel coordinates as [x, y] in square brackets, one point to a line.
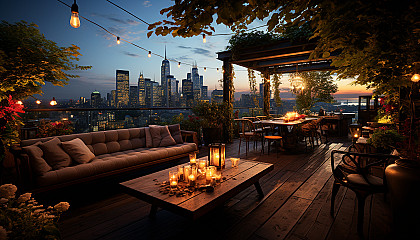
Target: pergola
[281, 57]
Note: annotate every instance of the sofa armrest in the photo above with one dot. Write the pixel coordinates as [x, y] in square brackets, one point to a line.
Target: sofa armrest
[23, 167]
[185, 134]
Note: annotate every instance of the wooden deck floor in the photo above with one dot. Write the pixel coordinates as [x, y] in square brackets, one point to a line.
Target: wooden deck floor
[296, 206]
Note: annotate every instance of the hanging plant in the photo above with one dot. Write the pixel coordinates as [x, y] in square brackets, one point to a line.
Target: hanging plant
[253, 85]
[276, 88]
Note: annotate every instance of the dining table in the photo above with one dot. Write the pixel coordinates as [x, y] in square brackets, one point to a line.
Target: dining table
[285, 129]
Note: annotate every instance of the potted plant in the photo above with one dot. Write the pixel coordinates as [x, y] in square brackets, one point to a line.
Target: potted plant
[385, 140]
[212, 117]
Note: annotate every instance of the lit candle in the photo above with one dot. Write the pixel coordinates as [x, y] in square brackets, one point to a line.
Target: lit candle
[187, 171]
[209, 173]
[235, 162]
[356, 135]
[191, 180]
[192, 159]
[202, 164]
[180, 173]
[173, 178]
[218, 176]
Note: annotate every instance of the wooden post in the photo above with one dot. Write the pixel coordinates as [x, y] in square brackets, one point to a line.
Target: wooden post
[227, 79]
[227, 97]
[266, 94]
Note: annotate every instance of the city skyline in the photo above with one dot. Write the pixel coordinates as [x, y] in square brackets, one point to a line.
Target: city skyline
[101, 51]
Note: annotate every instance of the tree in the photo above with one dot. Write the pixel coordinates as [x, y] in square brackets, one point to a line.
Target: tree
[376, 41]
[317, 87]
[28, 60]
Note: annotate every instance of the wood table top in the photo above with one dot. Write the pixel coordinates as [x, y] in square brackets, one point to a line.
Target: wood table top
[198, 203]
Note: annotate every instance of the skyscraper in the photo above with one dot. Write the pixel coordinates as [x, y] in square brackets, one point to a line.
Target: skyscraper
[204, 92]
[113, 100]
[134, 96]
[217, 96]
[122, 80]
[141, 84]
[164, 72]
[148, 99]
[195, 77]
[95, 99]
[157, 94]
[187, 92]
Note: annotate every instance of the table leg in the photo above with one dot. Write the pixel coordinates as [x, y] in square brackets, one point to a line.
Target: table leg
[259, 190]
[153, 211]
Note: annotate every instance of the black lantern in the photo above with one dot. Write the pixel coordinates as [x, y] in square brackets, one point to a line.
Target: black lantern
[217, 155]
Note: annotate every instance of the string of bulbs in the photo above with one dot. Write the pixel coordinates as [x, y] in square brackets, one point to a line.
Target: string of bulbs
[75, 22]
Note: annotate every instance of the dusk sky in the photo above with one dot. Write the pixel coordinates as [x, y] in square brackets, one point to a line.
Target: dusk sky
[100, 50]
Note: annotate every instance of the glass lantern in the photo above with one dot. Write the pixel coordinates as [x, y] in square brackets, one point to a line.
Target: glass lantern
[217, 155]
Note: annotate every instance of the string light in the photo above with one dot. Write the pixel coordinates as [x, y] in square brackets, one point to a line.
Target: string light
[38, 101]
[53, 102]
[204, 38]
[75, 7]
[19, 102]
[217, 69]
[205, 69]
[415, 77]
[179, 64]
[74, 19]
[118, 40]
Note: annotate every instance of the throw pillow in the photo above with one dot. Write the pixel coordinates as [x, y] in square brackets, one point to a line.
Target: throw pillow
[176, 133]
[55, 156]
[38, 163]
[161, 137]
[78, 150]
[149, 142]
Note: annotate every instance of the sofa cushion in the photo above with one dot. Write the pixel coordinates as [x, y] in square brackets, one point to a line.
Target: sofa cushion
[161, 137]
[55, 156]
[38, 163]
[176, 133]
[149, 142]
[113, 161]
[78, 150]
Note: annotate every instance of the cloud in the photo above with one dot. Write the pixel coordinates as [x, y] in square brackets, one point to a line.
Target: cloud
[147, 4]
[118, 20]
[131, 54]
[200, 51]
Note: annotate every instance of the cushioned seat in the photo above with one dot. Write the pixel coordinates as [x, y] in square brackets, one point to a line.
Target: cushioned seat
[113, 161]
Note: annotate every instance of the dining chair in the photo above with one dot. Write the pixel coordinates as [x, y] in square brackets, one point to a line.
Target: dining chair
[246, 131]
[271, 137]
[358, 178]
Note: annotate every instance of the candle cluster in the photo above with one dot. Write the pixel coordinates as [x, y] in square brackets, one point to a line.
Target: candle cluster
[198, 173]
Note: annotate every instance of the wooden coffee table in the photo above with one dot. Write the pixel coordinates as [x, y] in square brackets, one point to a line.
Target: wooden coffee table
[198, 203]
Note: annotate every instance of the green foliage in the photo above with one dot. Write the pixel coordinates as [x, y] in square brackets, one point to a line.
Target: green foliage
[385, 139]
[276, 88]
[215, 115]
[251, 39]
[318, 87]
[28, 60]
[376, 41]
[58, 128]
[253, 85]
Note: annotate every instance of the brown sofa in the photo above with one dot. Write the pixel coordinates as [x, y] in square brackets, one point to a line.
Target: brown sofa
[115, 152]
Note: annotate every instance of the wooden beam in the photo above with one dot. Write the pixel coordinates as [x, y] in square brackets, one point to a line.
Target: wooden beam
[266, 95]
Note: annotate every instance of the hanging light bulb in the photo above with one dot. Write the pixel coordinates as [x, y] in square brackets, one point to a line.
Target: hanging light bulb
[204, 38]
[19, 102]
[205, 69]
[179, 64]
[150, 54]
[53, 102]
[217, 69]
[74, 19]
[415, 77]
[118, 40]
[38, 101]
